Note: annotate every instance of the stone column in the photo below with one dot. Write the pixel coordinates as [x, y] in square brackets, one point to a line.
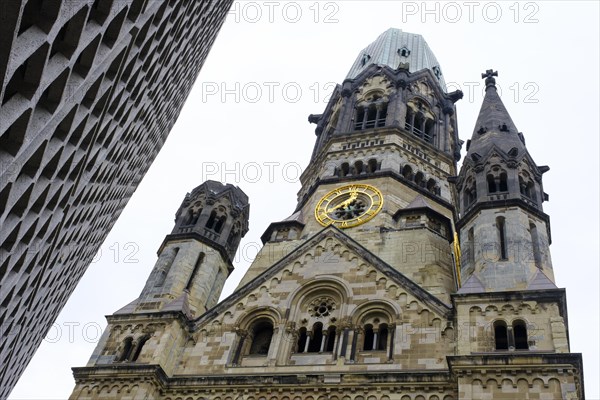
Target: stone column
[391, 334]
[354, 341]
[323, 341]
[238, 351]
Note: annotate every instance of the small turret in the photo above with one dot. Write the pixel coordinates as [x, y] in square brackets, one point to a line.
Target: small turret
[500, 197]
[195, 259]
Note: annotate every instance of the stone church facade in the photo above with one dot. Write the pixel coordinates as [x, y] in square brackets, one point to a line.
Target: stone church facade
[397, 276]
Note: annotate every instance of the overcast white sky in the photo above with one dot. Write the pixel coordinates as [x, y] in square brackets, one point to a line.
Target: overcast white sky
[245, 122]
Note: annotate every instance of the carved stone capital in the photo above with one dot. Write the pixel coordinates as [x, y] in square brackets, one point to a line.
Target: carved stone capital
[240, 332]
[513, 164]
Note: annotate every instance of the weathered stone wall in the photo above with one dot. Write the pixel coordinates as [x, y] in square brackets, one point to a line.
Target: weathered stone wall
[89, 91]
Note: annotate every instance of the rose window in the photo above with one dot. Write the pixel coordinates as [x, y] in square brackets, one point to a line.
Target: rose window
[321, 307]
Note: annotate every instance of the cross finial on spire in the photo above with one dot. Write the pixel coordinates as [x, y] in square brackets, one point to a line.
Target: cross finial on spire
[489, 73]
[489, 78]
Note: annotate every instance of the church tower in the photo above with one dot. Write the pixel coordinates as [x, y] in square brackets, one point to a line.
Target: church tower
[196, 258]
[362, 292]
[503, 229]
[193, 263]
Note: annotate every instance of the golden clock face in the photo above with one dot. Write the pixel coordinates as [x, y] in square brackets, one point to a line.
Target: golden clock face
[349, 206]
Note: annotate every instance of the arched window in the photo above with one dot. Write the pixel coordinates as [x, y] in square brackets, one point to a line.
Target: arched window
[138, 349]
[189, 218]
[330, 339]
[220, 222]
[501, 226]
[491, 184]
[503, 182]
[382, 337]
[522, 186]
[210, 224]
[467, 197]
[302, 337]
[360, 118]
[470, 192]
[358, 167]
[371, 117]
[262, 333]
[431, 184]
[314, 346]
[372, 165]
[419, 125]
[234, 234]
[531, 191]
[407, 172]
[520, 333]
[410, 119]
[368, 336]
[382, 115]
[344, 169]
[501, 335]
[126, 349]
[420, 179]
[428, 130]
[527, 187]
[195, 216]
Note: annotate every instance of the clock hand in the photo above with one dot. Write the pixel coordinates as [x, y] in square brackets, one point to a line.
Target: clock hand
[345, 203]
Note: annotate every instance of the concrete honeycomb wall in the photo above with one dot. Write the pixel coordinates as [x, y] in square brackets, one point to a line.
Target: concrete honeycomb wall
[89, 91]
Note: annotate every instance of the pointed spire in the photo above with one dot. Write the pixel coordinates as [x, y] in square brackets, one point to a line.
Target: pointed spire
[494, 126]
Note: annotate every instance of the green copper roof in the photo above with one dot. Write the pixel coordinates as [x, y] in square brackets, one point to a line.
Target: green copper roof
[394, 47]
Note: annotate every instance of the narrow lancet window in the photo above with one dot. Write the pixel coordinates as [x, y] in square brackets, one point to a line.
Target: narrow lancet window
[520, 333]
[199, 262]
[382, 337]
[369, 335]
[492, 188]
[138, 349]
[535, 245]
[471, 239]
[501, 226]
[302, 338]
[126, 349]
[503, 183]
[501, 335]
[330, 339]
[317, 338]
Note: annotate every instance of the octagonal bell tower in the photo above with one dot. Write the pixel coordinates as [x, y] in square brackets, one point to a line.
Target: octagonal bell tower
[195, 259]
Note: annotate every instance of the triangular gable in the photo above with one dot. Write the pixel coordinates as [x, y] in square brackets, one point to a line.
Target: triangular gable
[331, 232]
[495, 150]
[396, 75]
